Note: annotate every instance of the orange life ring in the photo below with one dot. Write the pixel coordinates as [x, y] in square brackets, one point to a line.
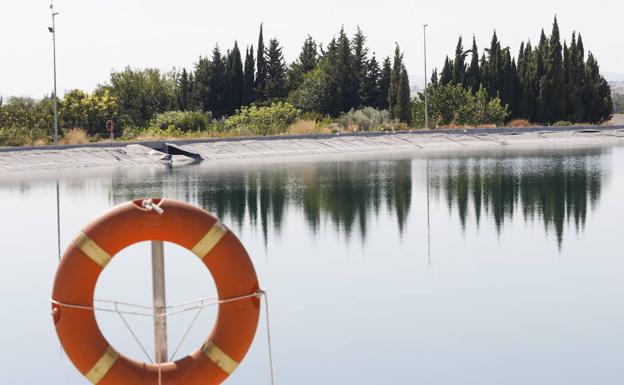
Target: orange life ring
[180, 223]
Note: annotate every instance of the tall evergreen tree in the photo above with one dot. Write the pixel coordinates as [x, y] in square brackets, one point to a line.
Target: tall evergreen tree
[276, 71]
[308, 58]
[346, 82]
[384, 84]
[371, 92]
[541, 58]
[234, 86]
[184, 94]
[473, 75]
[216, 84]
[434, 77]
[307, 61]
[459, 64]
[194, 99]
[360, 67]
[493, 76]
[597, 93]
[403, 110]
[248, 77]
[395, 84]
[555, 93]
[261, 68]
[446, 76]
[576, 73]
[201, 90]
[527, 85]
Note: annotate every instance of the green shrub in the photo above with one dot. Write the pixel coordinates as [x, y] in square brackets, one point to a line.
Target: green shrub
[255, 120]
[24, 121]
[366, 119]
[182, 120]
[455, 105]
[12, 136]
[152, 132]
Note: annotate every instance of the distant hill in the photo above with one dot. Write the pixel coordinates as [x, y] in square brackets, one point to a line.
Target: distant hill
[617, 87]
[613, 77]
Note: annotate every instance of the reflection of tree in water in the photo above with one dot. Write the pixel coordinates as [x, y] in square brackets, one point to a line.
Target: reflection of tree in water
[555, 189]
[346, 193]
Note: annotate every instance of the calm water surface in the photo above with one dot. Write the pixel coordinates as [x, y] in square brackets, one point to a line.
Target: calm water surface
[513, 273]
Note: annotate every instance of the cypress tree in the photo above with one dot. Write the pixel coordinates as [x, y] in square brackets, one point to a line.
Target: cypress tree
[261, 68]
[542, 112]
[446, 76]
[276, 71]
[371, 83]
[473, 75]
[568, 85]
[234, 87]
[360, 66]
[328, 64]
[395, 84]
[194, 100]
[597, 93]
[216, 84]
[403, 110]
[184, 93]
[346, 80]
[201, 90]
[309, 55]
[577, 78]
[307, 61]
[459, 65]
[434, 77]
[248, 77]
[494, 75]
[510, 82]
[556, 94]
[384, 85]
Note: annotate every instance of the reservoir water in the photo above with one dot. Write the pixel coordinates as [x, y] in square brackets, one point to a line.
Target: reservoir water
[489, 269]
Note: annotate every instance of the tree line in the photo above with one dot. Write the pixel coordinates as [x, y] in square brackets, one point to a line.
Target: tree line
[329, 80]
[547, 83]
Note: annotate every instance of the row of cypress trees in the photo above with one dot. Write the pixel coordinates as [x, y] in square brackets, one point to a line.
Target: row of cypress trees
[224, 82]
[548, 83]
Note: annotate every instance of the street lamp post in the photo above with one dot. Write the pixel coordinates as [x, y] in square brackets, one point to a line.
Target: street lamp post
[426, 97]
[54, 99]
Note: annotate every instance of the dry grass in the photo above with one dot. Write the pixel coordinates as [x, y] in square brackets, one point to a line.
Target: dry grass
[75, 136]
[40, 142]
[520, 123]
[352, 127]
[302, 127]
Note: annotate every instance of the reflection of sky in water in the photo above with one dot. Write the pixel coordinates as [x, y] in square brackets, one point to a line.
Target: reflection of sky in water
[522, 286]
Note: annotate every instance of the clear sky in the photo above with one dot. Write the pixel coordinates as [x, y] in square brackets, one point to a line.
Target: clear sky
[97, 36]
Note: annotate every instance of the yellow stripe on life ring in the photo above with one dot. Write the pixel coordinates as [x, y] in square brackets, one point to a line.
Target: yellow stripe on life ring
[92, 250]
[104, 364]
[218, 357]
[210, 240]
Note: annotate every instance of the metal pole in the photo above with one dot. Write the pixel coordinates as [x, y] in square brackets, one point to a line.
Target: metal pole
[158, 286]
[58, 220]
[54, 100]
[426, 98]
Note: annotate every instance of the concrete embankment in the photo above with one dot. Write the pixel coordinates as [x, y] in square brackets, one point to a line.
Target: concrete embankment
[287, 147]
